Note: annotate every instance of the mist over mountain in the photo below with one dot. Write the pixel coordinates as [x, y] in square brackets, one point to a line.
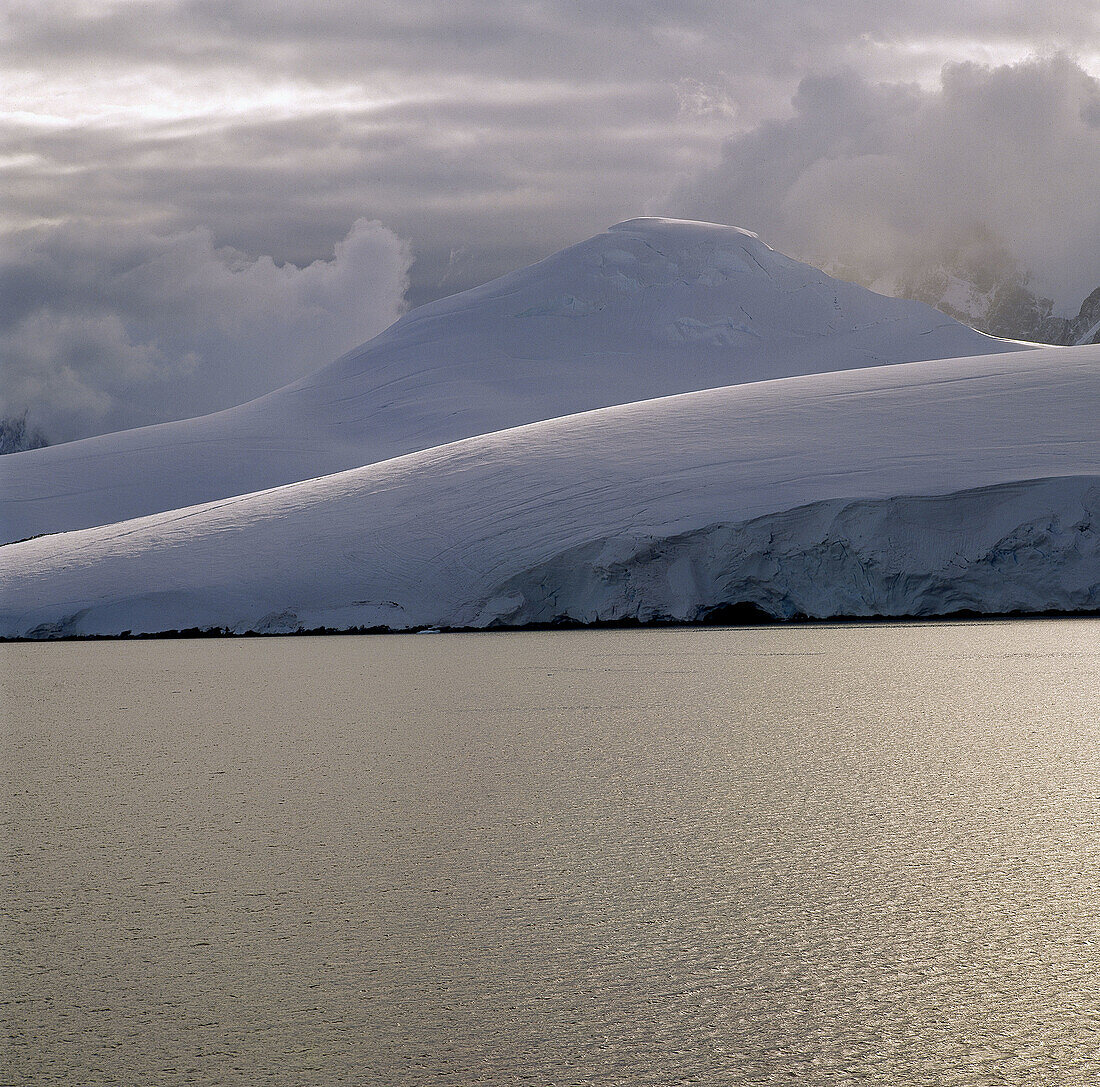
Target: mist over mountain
[982, 285]
[1006, 307]
[977, 195]
[16, 436]
[104, 328]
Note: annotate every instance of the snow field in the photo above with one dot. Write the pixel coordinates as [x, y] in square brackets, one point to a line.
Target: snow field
[472, 533]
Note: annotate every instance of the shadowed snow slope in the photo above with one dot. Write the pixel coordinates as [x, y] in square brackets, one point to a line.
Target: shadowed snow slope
[652, 307]
[473, 533]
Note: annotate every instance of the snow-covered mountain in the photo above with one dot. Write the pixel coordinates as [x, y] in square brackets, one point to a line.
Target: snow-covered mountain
[910, 489]
[745, 447]
[651, 308]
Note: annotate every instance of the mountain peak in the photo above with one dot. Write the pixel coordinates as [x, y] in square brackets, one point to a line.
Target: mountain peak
[687, 229]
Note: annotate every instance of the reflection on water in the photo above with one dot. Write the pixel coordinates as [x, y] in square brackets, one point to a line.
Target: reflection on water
[802, 856]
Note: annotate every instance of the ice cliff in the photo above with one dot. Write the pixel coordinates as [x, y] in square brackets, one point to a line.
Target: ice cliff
[1025, 548]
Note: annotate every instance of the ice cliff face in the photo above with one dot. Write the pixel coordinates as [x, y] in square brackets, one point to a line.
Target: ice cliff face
[651, 308]
[1029, 547]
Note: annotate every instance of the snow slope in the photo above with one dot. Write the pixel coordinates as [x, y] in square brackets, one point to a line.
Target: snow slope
[481, 531]
[650, 308]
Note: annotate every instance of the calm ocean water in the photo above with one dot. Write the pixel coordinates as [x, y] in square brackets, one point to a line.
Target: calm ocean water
[811, 856]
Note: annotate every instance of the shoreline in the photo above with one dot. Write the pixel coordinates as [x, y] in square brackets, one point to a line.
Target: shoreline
[735, 616]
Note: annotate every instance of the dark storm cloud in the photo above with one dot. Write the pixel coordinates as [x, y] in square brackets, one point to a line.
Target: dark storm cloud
[484, 134]
[473, 106]
[492, 175]
[524, 39]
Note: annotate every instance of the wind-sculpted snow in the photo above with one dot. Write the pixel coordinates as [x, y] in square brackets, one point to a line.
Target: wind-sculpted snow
[653, 307]
[473, 533]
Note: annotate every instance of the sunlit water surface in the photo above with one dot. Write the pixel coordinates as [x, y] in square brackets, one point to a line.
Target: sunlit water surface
[812, 856]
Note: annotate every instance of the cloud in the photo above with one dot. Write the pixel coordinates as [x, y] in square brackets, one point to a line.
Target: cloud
[103, 329]
[507, 180]
[505, 130]
[891, 179]
[165, 133]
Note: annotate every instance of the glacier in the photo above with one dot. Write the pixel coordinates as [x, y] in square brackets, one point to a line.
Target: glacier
[651, 308]
[1016, 548]
[916, 488]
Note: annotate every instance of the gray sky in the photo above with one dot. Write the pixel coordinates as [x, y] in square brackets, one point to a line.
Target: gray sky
[151, 150]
